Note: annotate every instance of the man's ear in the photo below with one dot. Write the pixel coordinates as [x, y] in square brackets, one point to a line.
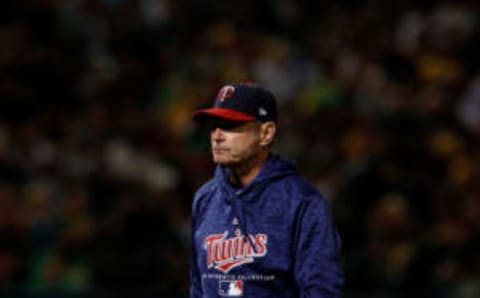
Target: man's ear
[268, 131]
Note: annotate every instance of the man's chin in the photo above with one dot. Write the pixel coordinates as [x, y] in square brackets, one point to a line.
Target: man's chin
[223, 161]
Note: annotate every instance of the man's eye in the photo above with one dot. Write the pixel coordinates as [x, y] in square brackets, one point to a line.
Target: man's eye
[229, 126]
[224, 126]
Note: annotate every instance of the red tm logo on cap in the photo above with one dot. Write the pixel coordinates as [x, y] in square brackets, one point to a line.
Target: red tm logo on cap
[225, 93]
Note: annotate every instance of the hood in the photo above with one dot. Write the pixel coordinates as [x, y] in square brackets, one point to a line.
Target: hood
[275, 168]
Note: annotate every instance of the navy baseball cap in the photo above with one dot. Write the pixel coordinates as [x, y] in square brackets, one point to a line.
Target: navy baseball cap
[241, 102]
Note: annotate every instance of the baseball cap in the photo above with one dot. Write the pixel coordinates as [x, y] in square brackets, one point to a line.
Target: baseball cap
[240, 102]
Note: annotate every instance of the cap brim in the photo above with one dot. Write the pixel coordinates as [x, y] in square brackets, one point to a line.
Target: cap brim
[227, 114]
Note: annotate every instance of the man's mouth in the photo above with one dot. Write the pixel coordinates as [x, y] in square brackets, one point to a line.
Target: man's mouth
[217, 149]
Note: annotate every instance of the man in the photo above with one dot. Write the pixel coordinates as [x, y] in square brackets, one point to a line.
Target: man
[258, 229]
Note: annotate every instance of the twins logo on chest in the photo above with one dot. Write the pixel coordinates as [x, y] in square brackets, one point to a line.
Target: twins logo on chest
[225, 253]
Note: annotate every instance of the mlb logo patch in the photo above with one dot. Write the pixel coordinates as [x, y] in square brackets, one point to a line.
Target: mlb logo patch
[231, 288]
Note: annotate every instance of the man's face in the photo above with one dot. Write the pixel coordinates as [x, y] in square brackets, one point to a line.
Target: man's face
[234, 142]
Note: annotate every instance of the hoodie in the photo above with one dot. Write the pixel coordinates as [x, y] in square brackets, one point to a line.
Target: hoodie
[272, 238]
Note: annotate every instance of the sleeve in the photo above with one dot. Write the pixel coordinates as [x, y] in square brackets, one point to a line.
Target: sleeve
[195, 278]
[318, 268]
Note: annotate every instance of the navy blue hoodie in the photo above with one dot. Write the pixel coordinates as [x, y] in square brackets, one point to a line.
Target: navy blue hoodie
[272, 238]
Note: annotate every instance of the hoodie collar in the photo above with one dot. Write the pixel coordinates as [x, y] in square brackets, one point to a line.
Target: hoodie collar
[275, 167]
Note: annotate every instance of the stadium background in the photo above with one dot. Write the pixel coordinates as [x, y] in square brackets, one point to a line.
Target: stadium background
[380, 109]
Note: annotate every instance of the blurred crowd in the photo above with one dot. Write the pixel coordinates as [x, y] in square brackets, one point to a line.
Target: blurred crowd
[99, 159]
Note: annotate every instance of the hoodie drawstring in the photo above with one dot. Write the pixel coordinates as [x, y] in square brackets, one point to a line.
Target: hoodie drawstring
[239, 212]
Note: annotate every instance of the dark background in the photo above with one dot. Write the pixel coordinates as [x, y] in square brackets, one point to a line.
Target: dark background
[99, 159]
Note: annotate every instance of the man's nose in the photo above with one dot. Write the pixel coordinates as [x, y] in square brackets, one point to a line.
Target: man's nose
[217, 134]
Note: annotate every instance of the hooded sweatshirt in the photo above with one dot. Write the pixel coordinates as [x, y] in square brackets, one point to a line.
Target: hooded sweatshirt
[272, 238]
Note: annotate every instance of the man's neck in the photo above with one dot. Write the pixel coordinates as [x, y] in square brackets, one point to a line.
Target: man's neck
[245, 173]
